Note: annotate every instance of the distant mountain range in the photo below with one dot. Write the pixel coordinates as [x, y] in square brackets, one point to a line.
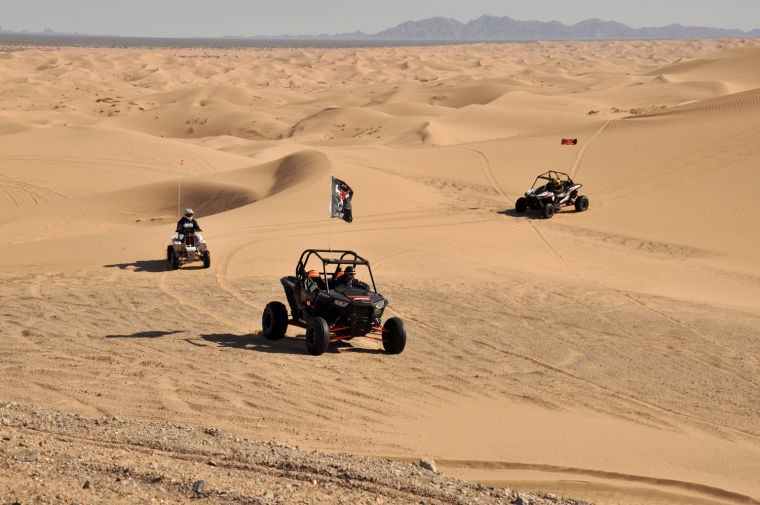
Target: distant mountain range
[495, 29]
[502, 29]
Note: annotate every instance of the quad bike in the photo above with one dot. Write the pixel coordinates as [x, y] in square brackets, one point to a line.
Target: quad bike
[329, 308]
[186, 248]
[543, 196]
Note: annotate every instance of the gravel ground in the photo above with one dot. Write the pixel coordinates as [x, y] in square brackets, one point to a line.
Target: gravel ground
[53, 457]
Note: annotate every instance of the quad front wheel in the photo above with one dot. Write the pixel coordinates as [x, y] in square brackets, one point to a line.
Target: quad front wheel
[317, 336]
[394, 336]
[206, 256]
[274, 321]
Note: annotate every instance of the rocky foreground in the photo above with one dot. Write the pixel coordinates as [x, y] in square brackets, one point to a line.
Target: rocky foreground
[53, 457]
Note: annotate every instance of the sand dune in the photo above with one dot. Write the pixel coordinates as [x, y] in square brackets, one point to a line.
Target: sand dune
[609, 355]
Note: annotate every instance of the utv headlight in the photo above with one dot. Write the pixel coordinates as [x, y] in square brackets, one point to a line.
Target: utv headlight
[380, 304]
[340, 303]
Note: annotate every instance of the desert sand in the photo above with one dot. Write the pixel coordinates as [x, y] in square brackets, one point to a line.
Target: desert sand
[611, 355]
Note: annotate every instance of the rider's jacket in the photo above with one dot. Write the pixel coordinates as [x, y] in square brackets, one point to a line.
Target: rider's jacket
[181, 225]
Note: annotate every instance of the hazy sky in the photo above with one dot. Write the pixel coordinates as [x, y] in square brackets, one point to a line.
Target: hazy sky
[212, 18]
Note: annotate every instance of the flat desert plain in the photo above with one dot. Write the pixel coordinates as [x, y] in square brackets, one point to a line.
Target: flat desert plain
[611, 356]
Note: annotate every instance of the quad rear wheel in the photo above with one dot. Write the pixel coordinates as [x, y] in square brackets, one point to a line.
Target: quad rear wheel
[274, 321]
[317, 335]
[172, 260]
[394, 336]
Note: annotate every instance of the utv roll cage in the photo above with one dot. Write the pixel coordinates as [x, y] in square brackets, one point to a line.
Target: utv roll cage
[340, 258]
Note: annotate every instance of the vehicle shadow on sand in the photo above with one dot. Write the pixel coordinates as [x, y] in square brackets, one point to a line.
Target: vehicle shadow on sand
[286, 345]
[190, 267]
[141, 266]
[514, 213]
[534, 214]
[146, 334]
[227, 339]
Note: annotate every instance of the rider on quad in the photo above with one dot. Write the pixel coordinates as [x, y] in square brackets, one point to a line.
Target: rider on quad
[188, 245]
[188, 223]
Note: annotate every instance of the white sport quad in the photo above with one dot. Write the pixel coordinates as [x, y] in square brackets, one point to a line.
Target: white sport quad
[187, 247]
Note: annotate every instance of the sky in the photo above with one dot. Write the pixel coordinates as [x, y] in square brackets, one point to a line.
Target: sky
[216, 18]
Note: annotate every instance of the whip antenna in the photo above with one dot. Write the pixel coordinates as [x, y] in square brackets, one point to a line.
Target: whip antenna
[179, 187]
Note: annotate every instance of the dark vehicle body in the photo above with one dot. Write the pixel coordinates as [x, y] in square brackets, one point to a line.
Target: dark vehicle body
[543, 198]
[329, 309]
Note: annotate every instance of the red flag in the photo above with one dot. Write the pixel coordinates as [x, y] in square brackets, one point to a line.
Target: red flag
[569, 142]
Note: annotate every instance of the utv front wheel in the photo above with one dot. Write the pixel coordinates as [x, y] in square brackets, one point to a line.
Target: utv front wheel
[274, 321]
[394, 336]
[521, 205]
[548, 210]
[581, 203]
[317, 336]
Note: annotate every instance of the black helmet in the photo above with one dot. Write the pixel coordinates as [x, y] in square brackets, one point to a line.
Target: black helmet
[350, 271]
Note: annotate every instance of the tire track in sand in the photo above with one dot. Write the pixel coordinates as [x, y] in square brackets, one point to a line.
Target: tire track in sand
[670, 486]
[582, 152]
[24, 194]
[621, 395]
[568, 265]
[631, 300]
[174, 290]
[488, 172]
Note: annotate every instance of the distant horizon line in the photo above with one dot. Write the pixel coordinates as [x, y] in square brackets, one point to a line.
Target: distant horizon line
[358, 33]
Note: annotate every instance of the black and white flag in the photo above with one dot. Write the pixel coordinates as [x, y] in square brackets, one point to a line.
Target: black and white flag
[340, 200]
